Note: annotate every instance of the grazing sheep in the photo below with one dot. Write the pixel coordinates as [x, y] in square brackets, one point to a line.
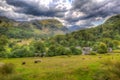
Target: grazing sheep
[99, 57]
[112, 57]
[1, 64]
[83, 58]
[23, 63]
[87, 67]
[37, 61]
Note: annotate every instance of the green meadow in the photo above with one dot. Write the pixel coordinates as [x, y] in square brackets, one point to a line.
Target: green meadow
[80, 67]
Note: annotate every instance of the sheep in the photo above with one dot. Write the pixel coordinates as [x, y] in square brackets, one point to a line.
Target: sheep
[23, 63]
[37, 61]
[112, 57]
[99, 57]
[1, 64]
[83, 58]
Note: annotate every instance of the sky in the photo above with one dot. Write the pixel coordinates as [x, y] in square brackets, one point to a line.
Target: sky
[81, 13]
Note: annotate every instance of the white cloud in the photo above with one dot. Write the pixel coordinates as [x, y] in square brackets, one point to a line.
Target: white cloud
[74, 14]
[5, 7]
[81, 22]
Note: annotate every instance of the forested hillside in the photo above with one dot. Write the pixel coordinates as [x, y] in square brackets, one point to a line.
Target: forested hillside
[31, 29]
[108, 31]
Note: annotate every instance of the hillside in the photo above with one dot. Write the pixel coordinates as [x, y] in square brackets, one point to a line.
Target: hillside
[35, 28]
[110, 30]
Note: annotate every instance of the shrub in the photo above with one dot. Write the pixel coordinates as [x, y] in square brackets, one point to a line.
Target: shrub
[39, 47]
[23, 51]
[2, 54]
[102, 48]
[93, 53]
[7, 72]
[3, 44]
[7, 68]
[101, 75]
[75, 51]
[15, 77]
[57, 50]
[116, 51]
[110, 71]
[12, 77]
[51, 51]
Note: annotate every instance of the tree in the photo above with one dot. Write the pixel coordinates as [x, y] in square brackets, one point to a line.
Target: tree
[108, 42]
[51, 51]
[39, 48]
[62, 51]
[75, 51]
[3, 44]
[56, 50]
[23, 51]
[116, 43]
[102, 48]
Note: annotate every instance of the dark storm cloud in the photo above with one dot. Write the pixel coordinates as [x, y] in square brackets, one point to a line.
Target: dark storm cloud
[17, 3]
[35, 9]
[99, 9]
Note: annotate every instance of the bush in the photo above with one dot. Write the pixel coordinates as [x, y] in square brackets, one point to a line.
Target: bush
[12, 77]
[110, 71]
[7, 72]
[7, 68]
[23, 51]
[75, 51]
[2, 54]
[39, 47]
[3, 44]
[57, 50]
[15, 77]
[102, 48]
[116, 51]
[93, 53]
[51, 51]
[101, 75]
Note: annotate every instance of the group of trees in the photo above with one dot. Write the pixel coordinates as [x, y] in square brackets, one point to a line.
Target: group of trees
[34, 49]
[42, 48]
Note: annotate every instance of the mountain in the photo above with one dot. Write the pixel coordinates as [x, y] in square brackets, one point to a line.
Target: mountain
[34, 28]
[108, 30]
[75, 28]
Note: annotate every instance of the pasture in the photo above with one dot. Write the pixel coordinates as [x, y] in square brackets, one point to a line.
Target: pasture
[79, 67]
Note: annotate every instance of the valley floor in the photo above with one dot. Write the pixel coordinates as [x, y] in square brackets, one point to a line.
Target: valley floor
[61, 67]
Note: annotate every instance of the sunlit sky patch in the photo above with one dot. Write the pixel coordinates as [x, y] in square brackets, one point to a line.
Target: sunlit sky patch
[81, 13]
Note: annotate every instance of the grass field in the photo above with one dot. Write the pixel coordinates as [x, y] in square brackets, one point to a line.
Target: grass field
[60, 67]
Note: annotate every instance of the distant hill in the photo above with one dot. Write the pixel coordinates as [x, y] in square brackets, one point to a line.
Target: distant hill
[34, 28]
[110, 29]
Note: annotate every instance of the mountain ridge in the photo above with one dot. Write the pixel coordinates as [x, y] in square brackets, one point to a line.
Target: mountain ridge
[28, 29]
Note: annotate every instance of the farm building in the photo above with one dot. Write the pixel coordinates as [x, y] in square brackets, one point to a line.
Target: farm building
[86, 50]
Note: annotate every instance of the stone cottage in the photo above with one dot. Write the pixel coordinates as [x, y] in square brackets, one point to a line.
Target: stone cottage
[110, 49]
[86, 50]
